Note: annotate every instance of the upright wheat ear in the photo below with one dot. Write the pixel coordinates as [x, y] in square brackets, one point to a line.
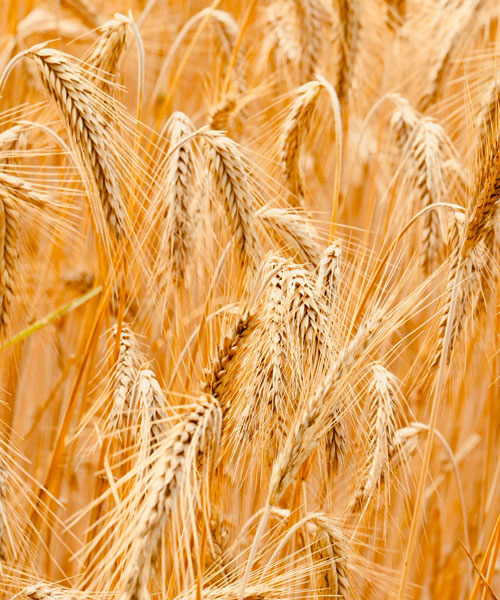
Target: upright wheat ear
[310, 17]
[225, 166]
[125, 373]
[467, 260]
[328, 280]
[296, 126]
[86, 126]
[195, 442]
[175, 199]
[488, 118]
[3, 515]
[383, 392]
[9, 235]
[331, 546]
[349, 11]
[427, 156]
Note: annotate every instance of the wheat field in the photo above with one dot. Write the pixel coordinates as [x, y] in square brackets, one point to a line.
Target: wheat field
[249, 299]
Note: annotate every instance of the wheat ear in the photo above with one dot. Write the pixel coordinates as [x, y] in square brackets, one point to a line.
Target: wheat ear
[442, 66]
[284, 45]
[304, 436]
[3, 506]
[198, 434]
[384, 403]
[9, 235]
[213, 377]
[427, 159]
[294, 130]
[176, 198]
[348, 11]
[310, 17]
[108, 50]
[467, 258]
[331, 545]
[86, 127]
[293, 232]
[125, 372]
[329, 271]
[225, 166]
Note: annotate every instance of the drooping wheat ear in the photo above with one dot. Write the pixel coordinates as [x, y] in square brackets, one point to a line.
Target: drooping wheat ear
[11, 140]
[175, 200]
[311, 34]
[331, 546]
[427, 159]
[293, 232]
[466, 262]
[108, 50]
[440, 69]
[213, 377]
[349, 12]
[198, 434]
[229, 179]
[9, 235]
[487, 122]
[396, 13]
[44, 591]
[329, 268]
[384, 404]
[126, 370]
[317, 411]
[22, 190]
[283, 39]
[86, 126]
[296, 127]
[149, 399]
[3, 516]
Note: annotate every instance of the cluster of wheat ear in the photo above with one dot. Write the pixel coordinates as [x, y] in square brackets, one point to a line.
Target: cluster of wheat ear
[249, 299]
